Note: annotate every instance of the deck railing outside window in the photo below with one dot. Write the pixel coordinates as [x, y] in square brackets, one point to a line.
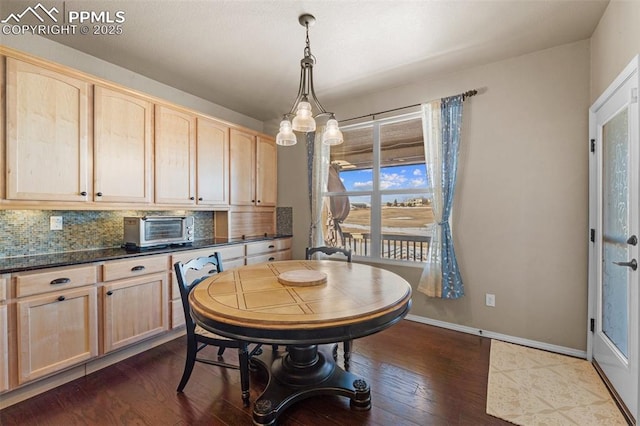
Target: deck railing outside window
[394, 246]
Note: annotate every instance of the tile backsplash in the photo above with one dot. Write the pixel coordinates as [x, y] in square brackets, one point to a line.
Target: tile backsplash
[26, 232]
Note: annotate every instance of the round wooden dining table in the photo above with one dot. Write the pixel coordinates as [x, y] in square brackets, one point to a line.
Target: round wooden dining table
[301, 304]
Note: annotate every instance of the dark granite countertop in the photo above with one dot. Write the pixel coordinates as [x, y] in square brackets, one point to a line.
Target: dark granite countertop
[26, 263]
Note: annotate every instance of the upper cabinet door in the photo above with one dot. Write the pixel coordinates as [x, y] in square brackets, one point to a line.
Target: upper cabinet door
[123, 143]
[175, 156]
[212, 154]
[242, 175]
[266, 172]
[48, 137]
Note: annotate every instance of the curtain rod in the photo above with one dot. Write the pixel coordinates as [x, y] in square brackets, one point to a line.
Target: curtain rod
[465, 95]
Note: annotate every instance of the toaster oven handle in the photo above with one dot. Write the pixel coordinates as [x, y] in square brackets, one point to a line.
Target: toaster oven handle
[137, 268]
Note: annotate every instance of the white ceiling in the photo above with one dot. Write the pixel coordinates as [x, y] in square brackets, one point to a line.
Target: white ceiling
[244, 54]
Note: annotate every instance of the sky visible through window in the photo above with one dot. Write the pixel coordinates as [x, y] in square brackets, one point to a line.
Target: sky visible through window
[394, 177]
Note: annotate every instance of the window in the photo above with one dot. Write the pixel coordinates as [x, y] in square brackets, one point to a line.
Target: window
[381, 166]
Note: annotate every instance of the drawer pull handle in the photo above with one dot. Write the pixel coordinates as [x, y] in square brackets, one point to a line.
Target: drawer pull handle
[137, 268]
[271, 246]
[272, 259]
[109, 293]
[60, 281]
[60, 298]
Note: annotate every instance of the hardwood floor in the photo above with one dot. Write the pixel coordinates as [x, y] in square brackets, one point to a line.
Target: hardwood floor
[419, 375]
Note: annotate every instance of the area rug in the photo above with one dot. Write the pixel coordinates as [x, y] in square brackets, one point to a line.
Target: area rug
[533, 387]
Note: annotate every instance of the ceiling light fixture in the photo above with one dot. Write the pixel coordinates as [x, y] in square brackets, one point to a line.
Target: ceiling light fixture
[301, 111]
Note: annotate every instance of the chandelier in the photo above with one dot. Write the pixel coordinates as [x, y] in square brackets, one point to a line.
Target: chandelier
[301, 111]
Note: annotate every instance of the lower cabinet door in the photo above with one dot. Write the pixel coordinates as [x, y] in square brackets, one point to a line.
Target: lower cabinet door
[4, 349]
[134, 309]
[56, 331]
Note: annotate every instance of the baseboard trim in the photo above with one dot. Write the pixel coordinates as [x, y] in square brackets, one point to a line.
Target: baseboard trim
[499, 336]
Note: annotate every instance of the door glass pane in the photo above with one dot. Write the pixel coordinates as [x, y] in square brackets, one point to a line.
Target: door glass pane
[615, 230]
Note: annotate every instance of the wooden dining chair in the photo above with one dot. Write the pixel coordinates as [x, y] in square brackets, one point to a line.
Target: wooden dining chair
[309, 251]
[197, 337]
[329, 251]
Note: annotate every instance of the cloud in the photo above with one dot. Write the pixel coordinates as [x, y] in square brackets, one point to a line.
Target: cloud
[417, 172]
[391, 180]
[363, 185]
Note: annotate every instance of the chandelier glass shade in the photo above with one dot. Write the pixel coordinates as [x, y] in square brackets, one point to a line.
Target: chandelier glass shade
[300, 118]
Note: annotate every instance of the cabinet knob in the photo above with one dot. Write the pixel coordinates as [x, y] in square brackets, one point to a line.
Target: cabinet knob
[258, 201]
[58, 281]
[192, 198]
[109, 293]
[61, 298]
[83, 193]
[271, 259]
[137, 268]
[99, 194]
[200, 198]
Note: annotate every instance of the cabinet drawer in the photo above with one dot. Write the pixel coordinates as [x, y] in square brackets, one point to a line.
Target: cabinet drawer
[230, 252]
[30, 283]
[268, 246]
[134, 267]
[270, 257]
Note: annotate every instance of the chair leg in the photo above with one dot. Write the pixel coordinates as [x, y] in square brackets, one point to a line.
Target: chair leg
[221, 350]
[243, 357]
[347, 354]
[188, 363]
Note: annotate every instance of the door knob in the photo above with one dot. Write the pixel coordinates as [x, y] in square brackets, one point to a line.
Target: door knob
[633, 264]
[633, 240]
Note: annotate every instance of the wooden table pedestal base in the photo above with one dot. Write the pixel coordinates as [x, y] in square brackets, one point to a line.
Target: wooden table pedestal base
[304, 371]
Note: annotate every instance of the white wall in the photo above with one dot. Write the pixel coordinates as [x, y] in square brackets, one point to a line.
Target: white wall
[614, 43]
[520, 221]
[50, 50]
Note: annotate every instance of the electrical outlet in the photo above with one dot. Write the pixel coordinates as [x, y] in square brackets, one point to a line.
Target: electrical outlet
[490, 299]
[55, 223]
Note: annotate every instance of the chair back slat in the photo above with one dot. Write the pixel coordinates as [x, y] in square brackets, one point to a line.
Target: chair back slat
[309, 251]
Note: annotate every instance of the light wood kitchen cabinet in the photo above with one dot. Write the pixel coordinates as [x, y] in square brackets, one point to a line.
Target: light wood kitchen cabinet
[134, 300]
[48, 137]
[175, 150]
[266, 172]
[253, 170]
[4, 349]
[242, 168]
[212, 157]
[57, 320]
[4, 338]
[123, 144]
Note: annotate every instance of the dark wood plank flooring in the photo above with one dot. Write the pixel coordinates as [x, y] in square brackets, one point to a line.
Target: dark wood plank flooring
[419, 375]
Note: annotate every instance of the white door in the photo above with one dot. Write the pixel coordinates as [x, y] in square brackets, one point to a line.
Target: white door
[614, 219]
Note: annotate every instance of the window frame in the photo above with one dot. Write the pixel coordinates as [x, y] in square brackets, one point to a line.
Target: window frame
[376, 194]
